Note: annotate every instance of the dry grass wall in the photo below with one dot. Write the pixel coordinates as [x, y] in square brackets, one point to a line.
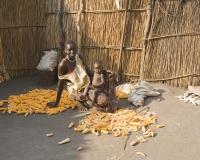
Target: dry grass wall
[155, 40]
[22, 30]
[173, 48]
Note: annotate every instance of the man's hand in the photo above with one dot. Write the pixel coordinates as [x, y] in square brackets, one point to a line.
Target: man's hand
[52, 104]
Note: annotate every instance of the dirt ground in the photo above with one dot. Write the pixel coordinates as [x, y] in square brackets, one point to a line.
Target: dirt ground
[24, 138]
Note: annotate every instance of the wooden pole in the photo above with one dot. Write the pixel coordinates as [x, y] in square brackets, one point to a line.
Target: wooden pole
[59, 20]
[78, 26]
[122, 39]
[4, 76]
[146, 34]
[101, 11]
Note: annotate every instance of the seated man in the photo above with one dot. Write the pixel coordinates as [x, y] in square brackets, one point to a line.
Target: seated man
[73, 72]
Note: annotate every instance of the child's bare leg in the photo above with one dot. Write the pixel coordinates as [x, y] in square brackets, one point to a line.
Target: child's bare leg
[94, 96]
[87, 88]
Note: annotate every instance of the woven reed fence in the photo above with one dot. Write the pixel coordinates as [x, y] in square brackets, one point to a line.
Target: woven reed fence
[154, 40]
[141, 39]
[97, 27]
[22, 29]
[173, 52]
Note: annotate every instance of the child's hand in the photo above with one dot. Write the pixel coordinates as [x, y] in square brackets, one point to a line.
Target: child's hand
[110, 73]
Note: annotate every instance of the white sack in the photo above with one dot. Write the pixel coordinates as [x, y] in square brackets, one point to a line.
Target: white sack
[126, 88]
[140, 91]
[137, 100]
[48, 61]
[146, 89]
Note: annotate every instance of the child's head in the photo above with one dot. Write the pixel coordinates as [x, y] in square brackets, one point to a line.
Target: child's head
[70, 49]
[98, 66]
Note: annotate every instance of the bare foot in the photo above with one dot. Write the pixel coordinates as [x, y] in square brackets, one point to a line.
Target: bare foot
[81, 107]
[94, 108]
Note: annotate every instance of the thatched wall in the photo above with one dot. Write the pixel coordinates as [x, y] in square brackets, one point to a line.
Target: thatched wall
[155, 40]
[22, 30]
[101, 26]
[177, 52]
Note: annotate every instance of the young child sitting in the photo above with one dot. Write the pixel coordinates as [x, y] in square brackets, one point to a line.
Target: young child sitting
[98, 82]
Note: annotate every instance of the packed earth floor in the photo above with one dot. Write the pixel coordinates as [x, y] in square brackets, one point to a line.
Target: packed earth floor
[24, 138]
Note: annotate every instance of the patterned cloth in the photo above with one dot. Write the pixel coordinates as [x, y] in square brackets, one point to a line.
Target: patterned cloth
[78, 77]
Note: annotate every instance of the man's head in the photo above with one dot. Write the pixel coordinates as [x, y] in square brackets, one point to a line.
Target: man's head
[70, 49]
[98, 66]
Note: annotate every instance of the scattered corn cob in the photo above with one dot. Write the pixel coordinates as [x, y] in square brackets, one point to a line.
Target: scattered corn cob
[121, 122]
[4, 112]
[80, 128]
[49, 134]
[3, 109]
[142, 139]
[64, 141]
[35, 102]
[134, 142]
[4, 101]
[79, 149]
[85, 131]
[104, 132]
[160, 125]
[71, 125]
[117, 134]
[139, 153]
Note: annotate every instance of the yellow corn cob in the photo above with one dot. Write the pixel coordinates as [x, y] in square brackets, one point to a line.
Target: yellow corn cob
[152, 134]
[73, 107]
[64, 141]
[51, 112]
[79, 149]
[12, 96]
[79, 128]
[4, 112]
[3, 109]
[85, 131]
[160, 125]
[16, 100]
[117, 134]
[53, 93]
[39, 97]
[9, 111]
[49, 134]
[39, 111]
[125, 133]
[34, 108]
[21, 112]
[37, 105]
[140, 153]
[23, 101]
[104, 132]
[62, 109]
[46, 96]
[71, 125]
[5, 101]
[134, 142]
[26, 114]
